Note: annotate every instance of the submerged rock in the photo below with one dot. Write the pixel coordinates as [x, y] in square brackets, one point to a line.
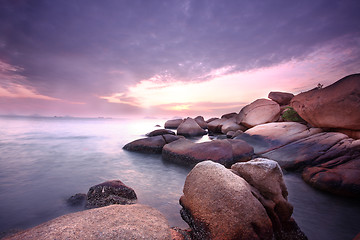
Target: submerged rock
[160, 132]
[108, 193]
[226, 152]
[112, 222]
[335, 106]
[190, 128]
[77, 199]
[259, 112]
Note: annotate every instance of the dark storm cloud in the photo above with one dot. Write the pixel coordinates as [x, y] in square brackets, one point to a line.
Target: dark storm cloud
[69, 49]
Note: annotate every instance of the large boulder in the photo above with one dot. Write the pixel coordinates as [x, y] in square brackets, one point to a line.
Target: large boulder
[229, 115]
[108, 193]
[282, 98]
[266, 177]
[112, 222]
[173, 123]
[218, 204]
[190, 128]
[335, 106]
[270, 136]
[158, 132]
[226, 152]
[301, 153]
[151, 144]
[259, 112]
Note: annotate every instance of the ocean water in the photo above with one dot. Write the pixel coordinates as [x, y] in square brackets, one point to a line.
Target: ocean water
[44, 161]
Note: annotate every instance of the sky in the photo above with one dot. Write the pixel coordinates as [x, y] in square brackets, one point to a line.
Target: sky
[165, 58]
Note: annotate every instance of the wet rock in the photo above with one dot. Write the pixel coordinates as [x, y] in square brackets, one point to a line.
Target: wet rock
[218, 204]
[226, 152]
[259, 112]
[270, 136]
[112, 222]
[301, 153]
[337, 176]
[150, 144]
[200, 120]
[335, 106]
[190, 128]
[159, 132]
[282, 98]
[108, 193]
[77, 199]
[173, 124]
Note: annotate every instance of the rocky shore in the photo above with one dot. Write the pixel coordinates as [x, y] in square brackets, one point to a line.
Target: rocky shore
[236, 188]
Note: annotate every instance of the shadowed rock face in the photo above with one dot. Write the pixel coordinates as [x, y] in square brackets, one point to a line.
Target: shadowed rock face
[259, 112]
[110, 192]
[282, 98]
[270, 136]
[112, 222]
[335, 106]
[225, 152]
[200, 120]
[160, 132]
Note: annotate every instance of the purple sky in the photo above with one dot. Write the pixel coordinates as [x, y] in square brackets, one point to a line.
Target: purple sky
[118, 58]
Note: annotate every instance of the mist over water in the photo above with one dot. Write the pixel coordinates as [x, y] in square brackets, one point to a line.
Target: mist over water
[44, 161]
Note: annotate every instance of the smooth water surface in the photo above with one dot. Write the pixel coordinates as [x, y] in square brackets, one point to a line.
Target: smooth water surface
[43, 161]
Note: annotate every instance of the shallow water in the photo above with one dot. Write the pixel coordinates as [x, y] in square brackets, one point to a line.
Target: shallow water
[43, 161]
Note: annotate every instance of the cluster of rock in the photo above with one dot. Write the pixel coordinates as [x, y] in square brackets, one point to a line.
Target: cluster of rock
[323, 145]
[248, 201]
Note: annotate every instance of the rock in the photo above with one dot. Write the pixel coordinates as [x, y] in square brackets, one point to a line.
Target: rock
[201, 122]
[190, 128]
[218, 204]
[266, 177]
[337, 176]
[338, 170]
[270, 136]
[157, 125]
[230, 134]
[282, 98]
[229, 115]
[216, 125]
[211, 119]
[112, 222]
[302, 152]
[335, 106]
[231, 125]
[77, 199]
[226, 152]
[110, 192]
[180, 234]
[357, 237]
[173, 124]
[159, 132]
[259, 112]
[150, 144]
[350, 133]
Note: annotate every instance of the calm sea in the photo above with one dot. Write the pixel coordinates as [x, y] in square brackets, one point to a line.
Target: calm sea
[43, 161]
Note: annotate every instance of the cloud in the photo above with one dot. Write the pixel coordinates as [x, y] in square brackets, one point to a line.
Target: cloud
[79, 50]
